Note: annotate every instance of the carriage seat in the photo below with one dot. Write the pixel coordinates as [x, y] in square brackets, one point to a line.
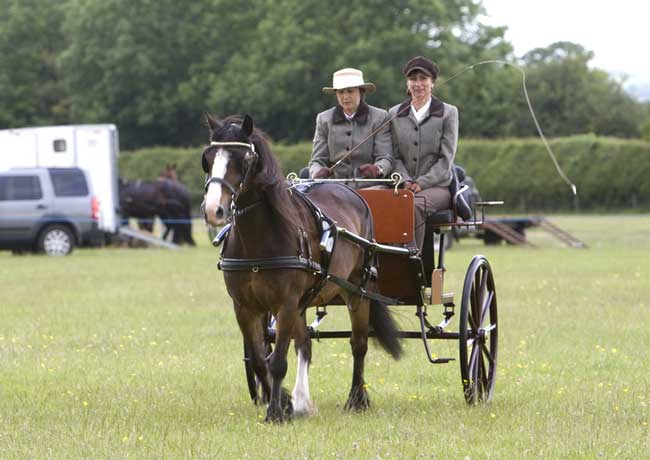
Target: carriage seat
[441, 218]
[460, 207]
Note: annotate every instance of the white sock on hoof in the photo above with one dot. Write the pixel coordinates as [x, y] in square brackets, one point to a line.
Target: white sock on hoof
[302, 404]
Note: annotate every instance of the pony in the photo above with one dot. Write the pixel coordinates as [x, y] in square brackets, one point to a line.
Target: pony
[165, 198]
[271, 222]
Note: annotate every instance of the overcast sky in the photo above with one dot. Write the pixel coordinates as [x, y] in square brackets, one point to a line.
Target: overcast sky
[616, 31]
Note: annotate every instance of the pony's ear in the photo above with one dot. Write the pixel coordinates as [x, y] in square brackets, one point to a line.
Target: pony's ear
[212, 122]
[247, 126]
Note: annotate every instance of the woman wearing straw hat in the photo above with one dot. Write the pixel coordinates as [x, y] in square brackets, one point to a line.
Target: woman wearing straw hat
[351, 126]
[425, 133]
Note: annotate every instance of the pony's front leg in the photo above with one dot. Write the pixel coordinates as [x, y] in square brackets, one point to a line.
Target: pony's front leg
[280, 407]
[359, 309]
[252, 326]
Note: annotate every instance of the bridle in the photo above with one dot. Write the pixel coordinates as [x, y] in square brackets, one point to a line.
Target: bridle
[250, 158]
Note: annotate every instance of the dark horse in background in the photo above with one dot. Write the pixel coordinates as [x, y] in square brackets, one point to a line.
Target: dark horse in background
[166, 198]
[271, 222]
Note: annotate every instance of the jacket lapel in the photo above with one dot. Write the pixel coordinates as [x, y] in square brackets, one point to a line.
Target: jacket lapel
[361, 115]
[436, 109]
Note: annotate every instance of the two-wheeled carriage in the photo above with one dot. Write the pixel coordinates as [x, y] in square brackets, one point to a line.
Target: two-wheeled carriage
[407, 277]
[288, 247]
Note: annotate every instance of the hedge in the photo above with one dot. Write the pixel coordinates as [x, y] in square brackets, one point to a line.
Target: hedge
[610, 174]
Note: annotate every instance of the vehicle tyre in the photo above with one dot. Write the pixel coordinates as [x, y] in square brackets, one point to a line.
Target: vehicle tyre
[56, 240]
[478, 332]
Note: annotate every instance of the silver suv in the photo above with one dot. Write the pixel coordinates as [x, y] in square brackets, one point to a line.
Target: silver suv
[47, 209]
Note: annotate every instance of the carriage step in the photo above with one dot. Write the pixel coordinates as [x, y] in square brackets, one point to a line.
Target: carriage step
[441, 360]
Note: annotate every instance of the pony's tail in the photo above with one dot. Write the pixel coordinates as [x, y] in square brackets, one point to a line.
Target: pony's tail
[385, 329]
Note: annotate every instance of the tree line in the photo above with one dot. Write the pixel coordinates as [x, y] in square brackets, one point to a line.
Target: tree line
[154, 67]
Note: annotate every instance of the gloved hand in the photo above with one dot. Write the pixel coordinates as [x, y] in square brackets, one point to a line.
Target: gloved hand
[369, 171]
[323, 173]
[412, 186]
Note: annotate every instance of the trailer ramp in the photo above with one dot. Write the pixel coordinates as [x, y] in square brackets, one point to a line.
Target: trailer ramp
[560, 234]
[146, 237]
[507, 233]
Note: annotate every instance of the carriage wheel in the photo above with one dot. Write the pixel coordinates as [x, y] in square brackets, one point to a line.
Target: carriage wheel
[254, 386]
[478, 338]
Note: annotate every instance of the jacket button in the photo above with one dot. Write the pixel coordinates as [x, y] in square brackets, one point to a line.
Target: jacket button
[414, 159]
[415, 143]
[347, 148]
[349, 133]
[416, 128]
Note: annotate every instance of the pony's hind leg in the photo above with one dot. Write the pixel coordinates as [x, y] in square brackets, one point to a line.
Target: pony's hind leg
[358, 399]
[302, 403]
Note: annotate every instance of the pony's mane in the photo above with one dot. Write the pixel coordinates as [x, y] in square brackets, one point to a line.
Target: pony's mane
[267, 175]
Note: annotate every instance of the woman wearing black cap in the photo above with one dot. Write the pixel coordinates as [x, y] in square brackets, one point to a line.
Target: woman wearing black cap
[425, 133]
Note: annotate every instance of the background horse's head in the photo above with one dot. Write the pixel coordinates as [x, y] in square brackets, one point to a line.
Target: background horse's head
[169, 172]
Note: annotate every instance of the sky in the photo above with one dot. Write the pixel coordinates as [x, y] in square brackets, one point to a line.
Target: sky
[616, 31]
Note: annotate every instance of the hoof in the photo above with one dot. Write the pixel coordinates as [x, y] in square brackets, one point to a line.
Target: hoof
[303, 406]
[358, 400]
[282, 412]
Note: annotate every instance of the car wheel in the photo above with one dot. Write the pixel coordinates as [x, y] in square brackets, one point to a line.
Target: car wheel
[56, 240]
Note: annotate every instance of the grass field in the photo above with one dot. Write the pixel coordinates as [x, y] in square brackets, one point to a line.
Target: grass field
[134, 353]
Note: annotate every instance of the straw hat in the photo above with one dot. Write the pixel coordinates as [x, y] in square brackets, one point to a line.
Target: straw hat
[349, 78]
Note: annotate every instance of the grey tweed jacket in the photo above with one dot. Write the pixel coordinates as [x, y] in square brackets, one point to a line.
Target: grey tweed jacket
[335, 136]
[424, 152]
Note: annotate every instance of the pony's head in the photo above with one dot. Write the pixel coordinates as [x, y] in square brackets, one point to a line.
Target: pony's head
[169, 172]
[238, 158]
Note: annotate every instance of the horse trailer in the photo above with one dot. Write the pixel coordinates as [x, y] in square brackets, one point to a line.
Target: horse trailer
[93, 148]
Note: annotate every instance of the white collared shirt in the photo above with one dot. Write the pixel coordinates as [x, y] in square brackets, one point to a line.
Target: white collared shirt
[349, 117]
[424, 110]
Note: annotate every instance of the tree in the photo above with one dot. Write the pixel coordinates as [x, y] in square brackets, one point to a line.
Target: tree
[571, 98]
[277, 73]
[31, 91]
[130, 63]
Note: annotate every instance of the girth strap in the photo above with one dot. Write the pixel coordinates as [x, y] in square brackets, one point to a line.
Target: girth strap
[272, 263]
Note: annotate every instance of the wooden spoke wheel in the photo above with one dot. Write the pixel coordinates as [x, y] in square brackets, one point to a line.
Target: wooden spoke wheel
[478, 338]
[254, 385]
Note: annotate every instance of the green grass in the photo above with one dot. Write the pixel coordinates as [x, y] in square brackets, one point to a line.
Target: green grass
[135, 353]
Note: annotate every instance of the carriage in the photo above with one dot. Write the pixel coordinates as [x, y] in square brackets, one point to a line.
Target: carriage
[292, 245]
[408, 278]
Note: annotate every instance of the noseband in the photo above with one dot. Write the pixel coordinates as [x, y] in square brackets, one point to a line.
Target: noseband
[252, 154]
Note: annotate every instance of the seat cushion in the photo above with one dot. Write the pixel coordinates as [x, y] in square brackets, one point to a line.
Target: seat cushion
[440, 218]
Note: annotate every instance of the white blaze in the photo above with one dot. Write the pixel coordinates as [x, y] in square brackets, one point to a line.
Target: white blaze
[213, 195]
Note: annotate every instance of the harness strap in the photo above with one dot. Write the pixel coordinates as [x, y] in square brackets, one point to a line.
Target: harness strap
[218, 180]
[345, 284]
[271, 263]
[238, 212]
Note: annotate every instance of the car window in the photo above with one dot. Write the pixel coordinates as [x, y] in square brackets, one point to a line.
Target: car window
[69, 182]
[20, 188]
